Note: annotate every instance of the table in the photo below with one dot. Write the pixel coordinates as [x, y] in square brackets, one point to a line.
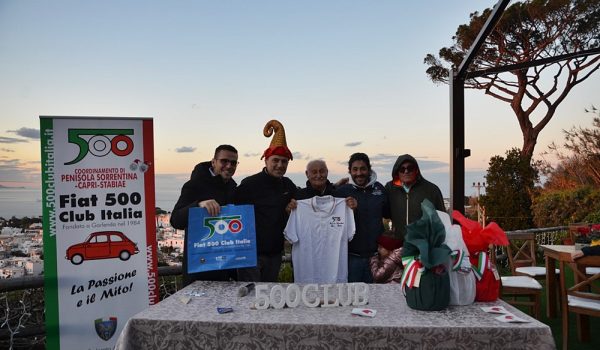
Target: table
[562, 254]
[553, 254]
[171, 324]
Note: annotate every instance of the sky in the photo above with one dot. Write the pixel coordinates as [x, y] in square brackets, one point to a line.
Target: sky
[342, 77]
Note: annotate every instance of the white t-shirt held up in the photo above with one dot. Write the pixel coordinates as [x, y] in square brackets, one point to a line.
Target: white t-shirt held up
[319, 230]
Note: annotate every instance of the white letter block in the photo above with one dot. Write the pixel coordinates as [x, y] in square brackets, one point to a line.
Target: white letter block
[326, 301]
[361, 294]
[262, 297]
[344, 299]
[277, 303]
[293, 289]
[305, 291]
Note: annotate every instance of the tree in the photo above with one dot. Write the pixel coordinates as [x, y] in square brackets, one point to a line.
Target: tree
[510, 188]
[571, 192]
[528, 31]
[579, 163]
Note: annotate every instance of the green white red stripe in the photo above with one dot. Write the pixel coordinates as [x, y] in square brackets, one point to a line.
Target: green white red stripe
[412, 267]
[457, 258]
[481, 264]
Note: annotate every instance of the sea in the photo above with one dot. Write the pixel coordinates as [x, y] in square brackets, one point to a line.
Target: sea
[23, 201]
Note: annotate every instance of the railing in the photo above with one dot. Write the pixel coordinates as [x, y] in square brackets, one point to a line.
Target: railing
[22, 322]
[543, 236]
[22, 299]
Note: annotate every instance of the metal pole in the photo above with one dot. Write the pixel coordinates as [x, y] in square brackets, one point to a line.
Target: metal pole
[457, 143]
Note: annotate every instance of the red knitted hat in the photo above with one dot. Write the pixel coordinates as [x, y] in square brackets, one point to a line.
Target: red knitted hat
[389, 243]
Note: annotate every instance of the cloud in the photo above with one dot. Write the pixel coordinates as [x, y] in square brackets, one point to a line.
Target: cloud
[6, 150]
[15, 170]
[185, 149]
[300, 156]
[27, 132]
[353, 144]
[11, 140]
[382, 164]
[383, 160]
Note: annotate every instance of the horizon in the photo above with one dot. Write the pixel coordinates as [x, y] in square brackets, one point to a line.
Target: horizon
[168, 187]
[341, 77]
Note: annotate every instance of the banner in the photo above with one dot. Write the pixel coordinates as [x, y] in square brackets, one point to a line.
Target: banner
[226, 241]
[100, 264]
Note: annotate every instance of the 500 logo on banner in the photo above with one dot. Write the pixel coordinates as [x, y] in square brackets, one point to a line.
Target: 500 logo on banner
[100, 144]
[222, 225]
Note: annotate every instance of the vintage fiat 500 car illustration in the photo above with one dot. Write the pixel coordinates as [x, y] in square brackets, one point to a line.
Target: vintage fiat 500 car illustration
[102, 245]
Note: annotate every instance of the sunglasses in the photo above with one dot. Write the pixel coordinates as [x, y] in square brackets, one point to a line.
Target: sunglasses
[407, 169]
[224, 162]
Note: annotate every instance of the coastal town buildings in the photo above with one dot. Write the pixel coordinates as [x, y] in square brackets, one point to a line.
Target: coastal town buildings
[21, 250]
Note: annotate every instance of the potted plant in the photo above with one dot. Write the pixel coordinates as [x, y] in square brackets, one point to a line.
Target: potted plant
[582, 238]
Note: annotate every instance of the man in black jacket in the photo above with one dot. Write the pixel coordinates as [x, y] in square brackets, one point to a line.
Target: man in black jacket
[270, 192]
[210, 186]
[317, 183]
[406, 192]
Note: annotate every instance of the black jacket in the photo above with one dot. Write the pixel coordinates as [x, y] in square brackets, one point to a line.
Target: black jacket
[201, 186]
[270, 196]
[406, 206]
[309, 191]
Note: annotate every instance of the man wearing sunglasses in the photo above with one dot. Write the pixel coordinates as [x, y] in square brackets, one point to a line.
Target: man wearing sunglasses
[210, 186]
[406, 191]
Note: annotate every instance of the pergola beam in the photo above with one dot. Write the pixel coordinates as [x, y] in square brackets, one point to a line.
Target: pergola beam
[458, 153]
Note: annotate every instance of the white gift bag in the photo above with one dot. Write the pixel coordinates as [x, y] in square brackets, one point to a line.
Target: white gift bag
[462, 278]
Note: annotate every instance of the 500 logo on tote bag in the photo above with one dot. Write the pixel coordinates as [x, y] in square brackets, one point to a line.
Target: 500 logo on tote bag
[233, 245]
[222, 225]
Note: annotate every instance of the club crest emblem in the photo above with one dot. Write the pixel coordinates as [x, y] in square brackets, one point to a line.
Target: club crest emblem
[106, 329]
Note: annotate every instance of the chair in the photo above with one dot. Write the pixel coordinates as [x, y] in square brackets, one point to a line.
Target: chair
[583, 298]
[521, 252]
[515, 287]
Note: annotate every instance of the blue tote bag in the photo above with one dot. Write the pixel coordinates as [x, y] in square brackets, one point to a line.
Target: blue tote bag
[225, 241]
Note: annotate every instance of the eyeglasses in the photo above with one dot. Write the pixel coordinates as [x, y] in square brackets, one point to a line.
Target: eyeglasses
[224, 162]
[407, 169]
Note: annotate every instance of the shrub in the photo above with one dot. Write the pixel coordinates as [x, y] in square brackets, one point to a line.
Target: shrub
[563, 207]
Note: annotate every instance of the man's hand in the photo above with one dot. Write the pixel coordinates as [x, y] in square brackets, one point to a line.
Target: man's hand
[291, 206]
[341, 182]
[211, 205]
[351, 202]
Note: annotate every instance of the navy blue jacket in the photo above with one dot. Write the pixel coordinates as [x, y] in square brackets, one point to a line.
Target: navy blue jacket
[368, 216]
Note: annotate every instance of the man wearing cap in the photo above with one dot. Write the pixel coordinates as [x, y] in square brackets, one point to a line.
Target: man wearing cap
[406, 191]
[210, 186]
[372, 206]
[270, 192]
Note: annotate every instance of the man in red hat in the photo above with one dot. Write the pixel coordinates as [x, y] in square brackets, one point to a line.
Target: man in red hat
[270, 192]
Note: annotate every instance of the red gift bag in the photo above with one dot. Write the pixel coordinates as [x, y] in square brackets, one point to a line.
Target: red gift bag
[478, 239]
[487, 281]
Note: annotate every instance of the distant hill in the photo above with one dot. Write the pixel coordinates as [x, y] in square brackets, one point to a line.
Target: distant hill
[10, 187]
